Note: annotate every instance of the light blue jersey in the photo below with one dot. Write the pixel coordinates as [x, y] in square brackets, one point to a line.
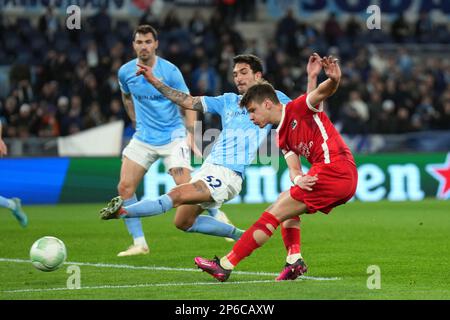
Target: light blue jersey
[158, 120]
[240, 139]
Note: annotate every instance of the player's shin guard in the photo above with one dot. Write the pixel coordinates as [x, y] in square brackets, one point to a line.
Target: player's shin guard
[291, 238]
[253, 238]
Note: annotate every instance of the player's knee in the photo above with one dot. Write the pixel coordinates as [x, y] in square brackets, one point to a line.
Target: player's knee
[182, 224]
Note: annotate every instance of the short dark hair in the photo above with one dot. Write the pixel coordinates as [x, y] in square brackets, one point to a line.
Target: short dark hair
[144, 29]
[253, 61]
[258, 93]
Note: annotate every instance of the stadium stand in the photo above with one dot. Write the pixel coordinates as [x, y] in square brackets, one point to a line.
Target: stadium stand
[56, 82]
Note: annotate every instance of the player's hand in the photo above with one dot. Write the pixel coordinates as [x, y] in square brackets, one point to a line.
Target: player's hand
[332, 69]
[314, 65]
[3, 148]
[306, 182]
[146, 71]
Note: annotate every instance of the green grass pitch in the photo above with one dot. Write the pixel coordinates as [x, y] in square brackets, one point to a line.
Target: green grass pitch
[408, 241]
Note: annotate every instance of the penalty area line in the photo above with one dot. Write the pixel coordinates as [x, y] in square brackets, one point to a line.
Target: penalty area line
[156, 268]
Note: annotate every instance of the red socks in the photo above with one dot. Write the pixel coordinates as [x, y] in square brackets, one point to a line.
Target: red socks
[267, 223]
[291, 238]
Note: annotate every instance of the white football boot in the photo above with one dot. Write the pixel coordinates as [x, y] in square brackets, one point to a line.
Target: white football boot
[134, 250]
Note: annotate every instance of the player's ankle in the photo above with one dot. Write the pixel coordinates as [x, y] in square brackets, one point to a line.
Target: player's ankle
[292, 258]
[226, 264]
[140, 241]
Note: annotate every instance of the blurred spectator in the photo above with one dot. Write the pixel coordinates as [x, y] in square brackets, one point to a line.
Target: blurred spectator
[286, 32]
[353, 28]
[92, 56]
[94, 116]
[49, 24]
[149, 18]
[227, 9]
[387, 121]
[101, 23]
[332, 30]
[171, 21]
[400, 29]
[204, 80]
[424, 28]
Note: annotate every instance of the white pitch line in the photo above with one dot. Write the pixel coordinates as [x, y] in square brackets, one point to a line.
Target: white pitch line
[155, 268]
[145, 285]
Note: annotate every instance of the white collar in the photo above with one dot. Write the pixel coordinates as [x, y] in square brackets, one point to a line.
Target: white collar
[283, 113]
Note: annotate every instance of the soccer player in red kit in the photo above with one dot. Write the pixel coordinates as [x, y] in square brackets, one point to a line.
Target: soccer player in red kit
[303, 130]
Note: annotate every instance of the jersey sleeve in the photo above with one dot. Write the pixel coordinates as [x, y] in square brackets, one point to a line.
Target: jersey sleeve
[121, 75]
[302, 106]
[284, 99]
[213, 104]
[177, 81]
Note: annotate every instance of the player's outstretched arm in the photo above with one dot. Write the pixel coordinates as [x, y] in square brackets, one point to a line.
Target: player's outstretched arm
[329, 86]
[182, 99]
[313, 70]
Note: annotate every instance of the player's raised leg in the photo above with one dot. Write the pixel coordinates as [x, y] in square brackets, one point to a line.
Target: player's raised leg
[14, 204]
[188, 217]
[179, 166]
[188, 193]
[131, 175]
[284, 208]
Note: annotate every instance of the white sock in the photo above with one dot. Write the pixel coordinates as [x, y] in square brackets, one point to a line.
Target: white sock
[293, 257]
[226, 264]
[140, 241]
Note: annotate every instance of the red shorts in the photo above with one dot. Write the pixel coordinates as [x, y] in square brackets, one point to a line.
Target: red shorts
[336, 185]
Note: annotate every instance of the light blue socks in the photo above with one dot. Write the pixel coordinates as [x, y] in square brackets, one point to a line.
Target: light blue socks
[134, 225]
[213, 212]
[146, 208]
[209, 225]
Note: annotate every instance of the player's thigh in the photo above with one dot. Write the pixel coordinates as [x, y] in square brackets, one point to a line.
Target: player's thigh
[186, 215]
[190, 193]
[286, 207]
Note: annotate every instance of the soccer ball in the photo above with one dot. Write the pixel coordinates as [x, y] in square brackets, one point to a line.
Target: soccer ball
[48, 253]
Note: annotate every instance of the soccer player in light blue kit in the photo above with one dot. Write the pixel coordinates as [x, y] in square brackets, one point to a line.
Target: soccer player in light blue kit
[160, 131]
[13, 204]
[220, 177]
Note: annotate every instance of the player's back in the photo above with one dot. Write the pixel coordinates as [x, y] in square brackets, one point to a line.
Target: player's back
[158, 120]
[307, 131]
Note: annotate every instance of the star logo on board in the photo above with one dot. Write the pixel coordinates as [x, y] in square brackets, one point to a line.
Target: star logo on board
[441, 172]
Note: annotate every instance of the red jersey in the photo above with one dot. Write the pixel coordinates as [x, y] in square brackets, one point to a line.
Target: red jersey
[307, 131]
